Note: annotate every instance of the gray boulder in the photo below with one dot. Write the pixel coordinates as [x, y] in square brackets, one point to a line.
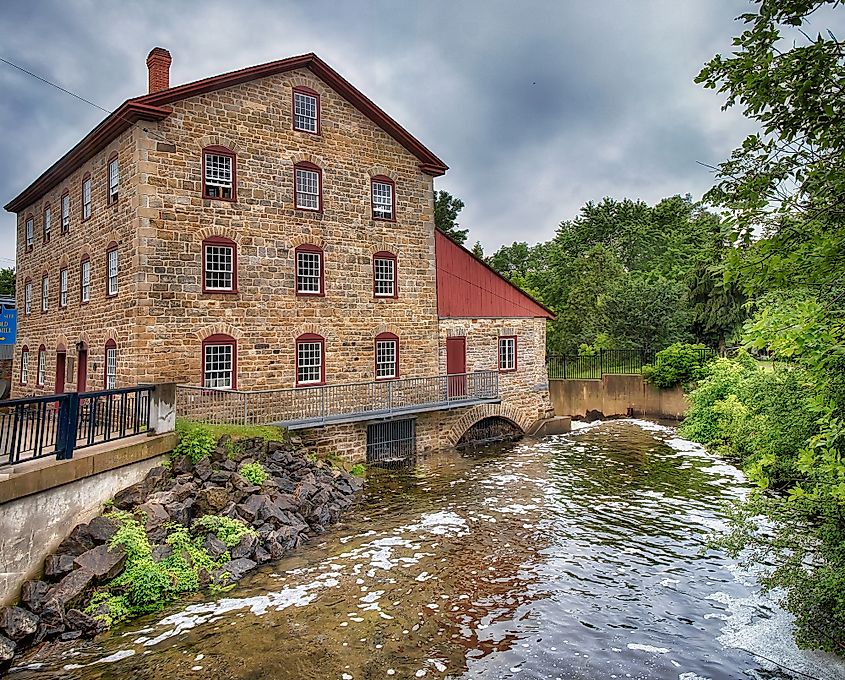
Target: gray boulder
[128, 498]
[7, 652]
[203, 469]
[17, 623]
[56, 566]
[77, 542]
[214, 546]
[103, 562]
[102, 529]
[234, 570]
[34, 594]
[88, 626]
[72, 588]
[245, 548]
[211, 500]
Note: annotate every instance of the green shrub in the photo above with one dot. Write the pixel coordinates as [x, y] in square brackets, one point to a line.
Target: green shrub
[254, 473]
[195, 441]
[358, 470]
[228, 530]
[678, 364]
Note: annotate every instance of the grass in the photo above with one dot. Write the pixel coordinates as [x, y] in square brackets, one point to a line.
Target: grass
[266, 432]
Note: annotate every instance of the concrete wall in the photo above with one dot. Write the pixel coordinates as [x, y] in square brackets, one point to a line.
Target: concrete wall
[40, 503]
[616, 395]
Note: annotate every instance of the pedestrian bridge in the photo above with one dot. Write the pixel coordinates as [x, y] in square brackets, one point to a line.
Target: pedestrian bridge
[306, 407]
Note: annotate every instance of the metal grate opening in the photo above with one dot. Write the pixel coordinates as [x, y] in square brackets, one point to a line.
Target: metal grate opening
[489, 430]
[392, 443]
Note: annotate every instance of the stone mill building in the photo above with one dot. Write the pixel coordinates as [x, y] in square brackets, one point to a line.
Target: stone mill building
[265, 238]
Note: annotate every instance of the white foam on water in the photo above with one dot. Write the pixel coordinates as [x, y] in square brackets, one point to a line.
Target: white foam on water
[647, 648]
[443, 523]
[117, 656]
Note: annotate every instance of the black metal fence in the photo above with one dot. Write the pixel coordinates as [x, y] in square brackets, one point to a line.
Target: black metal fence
[58, 424]
[608, 362]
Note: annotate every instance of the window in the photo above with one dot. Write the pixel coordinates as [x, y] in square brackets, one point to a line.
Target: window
[42, 365]
[507, 353]
[30, 229]
[219, 361]
[47, 223]
[218, 173]
[220, 264]
[114, 180]
[306, 110]
[63, 287]
[307, 193]
[387, 356]
[309, 270]
[111, 268]
[310, 369]
[65, 213]
[85, 280]
[384, 275]
[24, 365]
[86, 197]
[110, 378]
[45, 293]
[27, 297]
[383, 199]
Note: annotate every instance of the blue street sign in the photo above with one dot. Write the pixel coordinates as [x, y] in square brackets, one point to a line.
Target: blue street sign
[8, 325]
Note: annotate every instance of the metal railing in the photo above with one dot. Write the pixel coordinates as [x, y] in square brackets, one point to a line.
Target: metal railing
[58, 424]
[324, 404]
[608, 362]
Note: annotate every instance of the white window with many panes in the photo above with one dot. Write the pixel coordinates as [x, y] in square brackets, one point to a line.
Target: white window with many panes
[45, 294]
[48, 220]
[66, 212]
[384, 273]
[114, 180]
[305, 112]
[219, 176]
[386, 352]
[85, 281]
[218, 366]
[27, 298]
[30, 228]
[86, 198]
[382, 200]
[63, 288]
[42, 366]
[24, 367]
[309, 267]
[307, 189]
[507, 354]
[219, 267]
[111, 367]
[309, 362]
[112, 274]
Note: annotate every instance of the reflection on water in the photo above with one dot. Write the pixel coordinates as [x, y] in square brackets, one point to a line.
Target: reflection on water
[577, 556]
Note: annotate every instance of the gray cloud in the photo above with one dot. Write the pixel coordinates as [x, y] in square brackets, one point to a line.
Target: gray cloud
[537, 107]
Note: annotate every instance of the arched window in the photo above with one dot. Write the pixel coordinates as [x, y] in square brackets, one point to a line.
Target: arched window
[310, 279]
[24, 364]
[111, 269]
[42, 366]
[387, 356]
[306, 110]
[220, 362]
[110, 365]
[383, 196]
[308, 187]
[219, 173]
[113, 179]
[310, 359]
[86, 196]
[384, 275]
[219, 265]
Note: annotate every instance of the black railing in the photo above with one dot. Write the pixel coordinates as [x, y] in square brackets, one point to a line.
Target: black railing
[608, 362]
[58, 424]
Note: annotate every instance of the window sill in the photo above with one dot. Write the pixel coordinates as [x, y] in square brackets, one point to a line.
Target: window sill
[314, 384]
[214, 293]
[220, 198]
[507, 370]
[310, 295]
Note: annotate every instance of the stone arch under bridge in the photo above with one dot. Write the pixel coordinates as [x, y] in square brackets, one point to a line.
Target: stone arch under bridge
[484, 411]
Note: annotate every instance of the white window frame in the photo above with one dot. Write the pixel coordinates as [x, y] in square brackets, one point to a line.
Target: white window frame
[111, 368]
[306, 279]
[112, 271]
[66, 213]
[27, 298]
[41, 378]
[114, 180]
[45, 294]
[24, 366]
[30, 232]
[306, 352]
[48, 223]
[306, 180]
[382, 202]
[507, 353]
[303, 120]
[218, 378]
[219, 175]
[387, 354]
[380, 278]
[215, 268]
[86, 198]
[85, 281]
[63, 280]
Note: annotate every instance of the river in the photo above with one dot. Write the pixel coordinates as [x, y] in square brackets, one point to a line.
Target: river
[575, 556]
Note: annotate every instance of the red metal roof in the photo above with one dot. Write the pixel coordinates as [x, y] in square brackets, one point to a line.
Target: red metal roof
[468, 287]
[148, 107]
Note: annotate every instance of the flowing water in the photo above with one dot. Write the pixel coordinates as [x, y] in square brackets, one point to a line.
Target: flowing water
[577, 556]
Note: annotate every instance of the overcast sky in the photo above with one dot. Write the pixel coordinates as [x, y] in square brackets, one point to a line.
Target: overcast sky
[537, 107]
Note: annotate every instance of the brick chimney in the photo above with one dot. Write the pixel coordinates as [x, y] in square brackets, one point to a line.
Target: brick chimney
[158, 64]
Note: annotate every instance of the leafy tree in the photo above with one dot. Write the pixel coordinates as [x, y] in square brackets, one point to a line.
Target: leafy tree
[7, 281]
[477, 250]
[446, 209]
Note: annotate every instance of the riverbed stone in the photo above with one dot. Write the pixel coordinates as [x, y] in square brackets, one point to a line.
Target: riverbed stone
[234, 570]
[245, 547]
[88, 626]
[56, 566]
[7, 652]
[103, 562]
[128, 498]
[211, 500]
[73, 587]
[34, 594]
[77, 542]
[102, 529]
[52, 619]
[214, 546]
[18, 624]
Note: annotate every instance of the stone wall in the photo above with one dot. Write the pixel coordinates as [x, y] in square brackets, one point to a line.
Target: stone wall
[617, 395]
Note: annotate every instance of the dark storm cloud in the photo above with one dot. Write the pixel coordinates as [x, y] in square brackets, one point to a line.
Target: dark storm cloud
[537, 107]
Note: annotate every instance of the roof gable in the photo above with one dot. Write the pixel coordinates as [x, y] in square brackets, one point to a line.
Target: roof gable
[469, 287]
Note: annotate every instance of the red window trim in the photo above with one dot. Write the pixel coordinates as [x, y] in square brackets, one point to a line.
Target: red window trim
[221, 241]
[85, 258]
[109, 201]
[221, 151]
[314, 168]
[44, 235]
[24, 350]
[44, 277]
[110, 344]
[65, 195]
[27, 282]
[310, 337]
[38, 376]
[381, 179]
[220, 339]
[309, 248]
[312, 93]
[112, 247]
[28, 247]
[63, 269]
[86, 178]
[382, 337]
[385, 255]
[515, 353]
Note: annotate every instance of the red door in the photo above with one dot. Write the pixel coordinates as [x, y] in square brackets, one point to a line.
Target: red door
[456, 365]
[82, 371]
[61, 358]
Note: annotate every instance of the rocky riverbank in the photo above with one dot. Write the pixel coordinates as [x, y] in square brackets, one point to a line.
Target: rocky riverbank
[186, 527]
